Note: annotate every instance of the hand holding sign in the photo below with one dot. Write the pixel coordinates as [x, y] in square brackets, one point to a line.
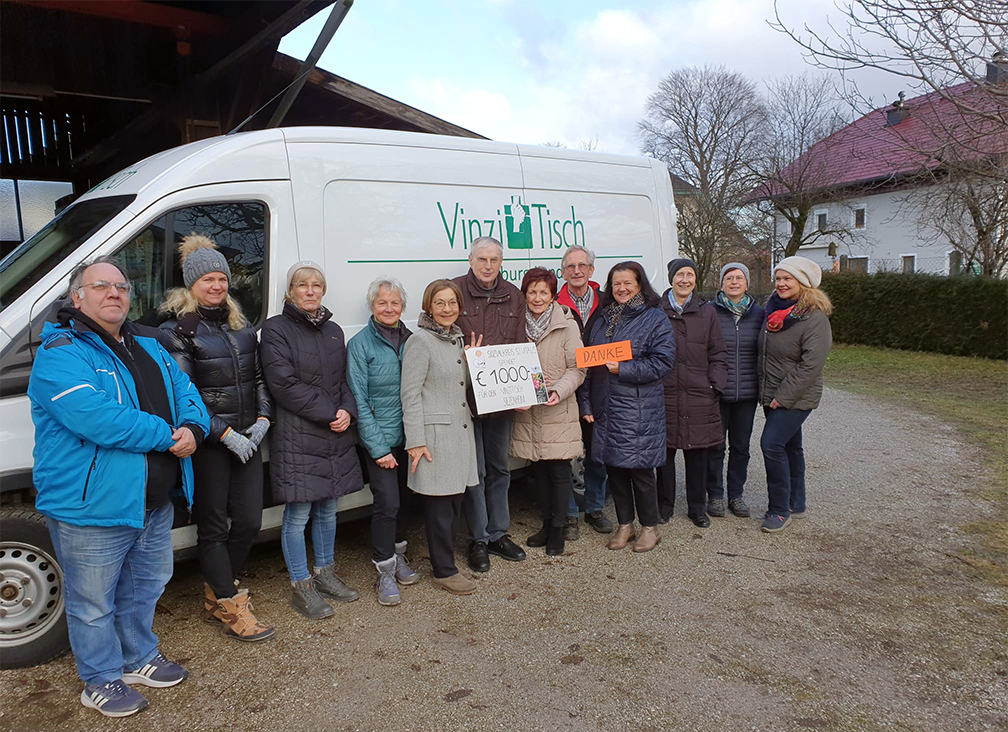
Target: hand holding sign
[604, 355]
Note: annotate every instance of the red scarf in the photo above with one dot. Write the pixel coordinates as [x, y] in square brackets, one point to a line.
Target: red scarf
[775, 320]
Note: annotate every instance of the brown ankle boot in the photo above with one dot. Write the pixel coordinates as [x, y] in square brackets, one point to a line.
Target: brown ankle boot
[623, 534]
[647, 540]
[211, 610]
[240, 624]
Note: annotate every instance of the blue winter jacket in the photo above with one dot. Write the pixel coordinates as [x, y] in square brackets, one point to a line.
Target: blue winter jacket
[91, 437]
[741, 340]
[374, 371]
[629, 407]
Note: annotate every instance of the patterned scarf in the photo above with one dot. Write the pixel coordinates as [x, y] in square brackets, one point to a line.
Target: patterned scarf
[782, 314]
[736, 309]
[318, 317]
[426, 322]
[675, 305]
[615, 312]
[535, 327]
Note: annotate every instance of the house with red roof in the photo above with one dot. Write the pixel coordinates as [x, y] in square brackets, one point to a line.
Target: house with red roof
[880, 181]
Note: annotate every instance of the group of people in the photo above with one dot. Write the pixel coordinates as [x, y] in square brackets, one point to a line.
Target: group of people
[129, 420]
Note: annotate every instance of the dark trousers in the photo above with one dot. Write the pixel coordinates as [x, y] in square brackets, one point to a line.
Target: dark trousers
[696, 482]
[737, 423]
[552, 480]
[440, 513]
[392, 501]
[486, 505]
[784, 459]
[630, 486]
[225, 488]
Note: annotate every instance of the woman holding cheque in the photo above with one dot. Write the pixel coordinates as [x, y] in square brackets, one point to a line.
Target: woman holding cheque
[626, 400]
[549, 434]
[438, 425]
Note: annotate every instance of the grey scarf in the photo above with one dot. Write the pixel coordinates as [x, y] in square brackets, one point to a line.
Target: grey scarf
[536, 327]
[616, 312]
[426, 322]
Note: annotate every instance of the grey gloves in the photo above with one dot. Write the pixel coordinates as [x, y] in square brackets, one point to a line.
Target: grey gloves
[257, 432]
[239, 444]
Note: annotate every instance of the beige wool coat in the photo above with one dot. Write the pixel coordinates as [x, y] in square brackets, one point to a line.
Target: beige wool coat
[436, 412]
[554, 433]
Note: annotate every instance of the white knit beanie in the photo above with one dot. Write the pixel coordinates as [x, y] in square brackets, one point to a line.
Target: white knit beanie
[804, 270]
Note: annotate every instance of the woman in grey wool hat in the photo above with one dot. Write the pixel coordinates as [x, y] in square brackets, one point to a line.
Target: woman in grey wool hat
[215, 345]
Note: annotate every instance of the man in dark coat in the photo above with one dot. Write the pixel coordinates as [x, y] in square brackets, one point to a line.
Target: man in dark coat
[581, 295]
[692, 392]
[493, 313]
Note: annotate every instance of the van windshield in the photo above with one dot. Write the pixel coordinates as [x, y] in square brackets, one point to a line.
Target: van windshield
[23, 267]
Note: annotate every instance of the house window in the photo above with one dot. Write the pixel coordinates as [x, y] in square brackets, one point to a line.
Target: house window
[859, 218]
[909, 263]
[821, 221]
[858, 264]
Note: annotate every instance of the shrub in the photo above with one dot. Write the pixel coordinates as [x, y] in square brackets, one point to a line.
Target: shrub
[960, 316]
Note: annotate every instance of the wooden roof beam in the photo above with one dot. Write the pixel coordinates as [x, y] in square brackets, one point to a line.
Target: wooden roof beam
[136, 11]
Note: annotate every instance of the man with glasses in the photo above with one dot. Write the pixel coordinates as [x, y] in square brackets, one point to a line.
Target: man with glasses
[115, 423]
[581, 294]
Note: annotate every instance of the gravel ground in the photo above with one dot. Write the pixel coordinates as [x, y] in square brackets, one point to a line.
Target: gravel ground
[865, 615]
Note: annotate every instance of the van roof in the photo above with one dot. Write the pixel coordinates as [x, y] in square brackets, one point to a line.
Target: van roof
[262, 155]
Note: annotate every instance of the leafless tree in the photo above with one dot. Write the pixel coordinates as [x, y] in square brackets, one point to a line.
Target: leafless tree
[952, 53]
[802, 113]
[704, 124]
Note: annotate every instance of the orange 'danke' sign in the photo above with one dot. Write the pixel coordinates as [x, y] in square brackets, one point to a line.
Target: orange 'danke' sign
[599, 355]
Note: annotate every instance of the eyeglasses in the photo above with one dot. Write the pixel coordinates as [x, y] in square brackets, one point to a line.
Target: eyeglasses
[738, 278]
[575, 267]
[103, 286]
[305, 286]
[445, 304]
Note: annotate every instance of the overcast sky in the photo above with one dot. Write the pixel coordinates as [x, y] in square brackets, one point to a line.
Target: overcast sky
[563, 70]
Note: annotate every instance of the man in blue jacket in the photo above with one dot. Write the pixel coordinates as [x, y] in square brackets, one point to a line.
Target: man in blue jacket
[115, 423]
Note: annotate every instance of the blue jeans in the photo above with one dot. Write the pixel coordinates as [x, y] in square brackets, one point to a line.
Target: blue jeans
[112, 578]
[737, 422]
[785, 460]
[486, 505]
[323, 534]
[595, 479]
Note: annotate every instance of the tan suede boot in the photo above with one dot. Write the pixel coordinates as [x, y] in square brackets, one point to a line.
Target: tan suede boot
[457, 584]
[647, 540]
[240, 624]
[623, 534]
[211, 610]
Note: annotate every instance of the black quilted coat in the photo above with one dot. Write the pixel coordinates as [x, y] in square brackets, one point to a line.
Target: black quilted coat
[306, 369]
[224, 366]
[741, 340]
[693, 388]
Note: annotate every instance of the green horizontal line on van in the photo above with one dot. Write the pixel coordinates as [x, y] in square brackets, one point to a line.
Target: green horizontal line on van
[435, 261]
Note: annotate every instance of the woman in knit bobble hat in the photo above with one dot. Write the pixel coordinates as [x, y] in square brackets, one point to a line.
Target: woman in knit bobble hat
[795, 340]
[211, 340]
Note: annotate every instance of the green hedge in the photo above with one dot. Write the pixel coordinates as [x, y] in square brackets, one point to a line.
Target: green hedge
[960, 316]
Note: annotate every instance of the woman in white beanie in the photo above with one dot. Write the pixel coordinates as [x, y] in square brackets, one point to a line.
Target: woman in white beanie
[216, 346]
[793, 346]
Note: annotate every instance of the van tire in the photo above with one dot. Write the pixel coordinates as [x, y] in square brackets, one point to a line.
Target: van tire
[33, 627]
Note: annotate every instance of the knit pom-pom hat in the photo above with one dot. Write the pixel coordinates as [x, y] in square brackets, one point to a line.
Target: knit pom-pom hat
[200, 256]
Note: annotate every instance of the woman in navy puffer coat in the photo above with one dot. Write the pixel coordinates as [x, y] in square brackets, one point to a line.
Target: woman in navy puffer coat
[625, 401]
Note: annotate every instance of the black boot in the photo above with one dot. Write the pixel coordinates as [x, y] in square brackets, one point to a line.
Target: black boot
[539, 538]
[555, 543]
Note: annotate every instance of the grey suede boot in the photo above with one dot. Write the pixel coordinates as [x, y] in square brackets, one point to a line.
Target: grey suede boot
[386, 587]
[404, 574]
[307, 601]
[328, 584]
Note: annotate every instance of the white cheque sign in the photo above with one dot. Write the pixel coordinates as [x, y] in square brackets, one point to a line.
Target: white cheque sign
[505, 377]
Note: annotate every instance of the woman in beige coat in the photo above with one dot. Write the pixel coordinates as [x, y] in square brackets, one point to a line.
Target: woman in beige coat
[550, 434]
[438, 426]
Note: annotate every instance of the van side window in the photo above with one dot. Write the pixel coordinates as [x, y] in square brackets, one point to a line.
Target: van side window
[239, 229]
[152, 261]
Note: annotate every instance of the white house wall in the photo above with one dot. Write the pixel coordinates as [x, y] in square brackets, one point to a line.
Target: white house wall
[890, 233]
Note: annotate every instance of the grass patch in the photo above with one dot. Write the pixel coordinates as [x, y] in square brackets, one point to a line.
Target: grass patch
[971, 394]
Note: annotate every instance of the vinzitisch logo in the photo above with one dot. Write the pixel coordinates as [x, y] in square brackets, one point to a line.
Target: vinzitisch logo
[517, 225]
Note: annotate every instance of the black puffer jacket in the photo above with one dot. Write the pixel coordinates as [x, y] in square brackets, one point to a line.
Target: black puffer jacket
[306, 368]
[742, 340]
[224, 366]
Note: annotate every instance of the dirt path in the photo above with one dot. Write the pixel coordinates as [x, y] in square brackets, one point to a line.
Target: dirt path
[865, 615]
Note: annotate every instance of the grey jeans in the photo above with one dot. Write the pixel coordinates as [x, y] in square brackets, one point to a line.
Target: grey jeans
[486, 504]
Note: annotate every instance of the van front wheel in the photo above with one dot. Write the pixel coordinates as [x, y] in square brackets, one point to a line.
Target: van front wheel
[33, 626]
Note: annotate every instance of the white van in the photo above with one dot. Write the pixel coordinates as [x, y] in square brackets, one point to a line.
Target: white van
[361, 203]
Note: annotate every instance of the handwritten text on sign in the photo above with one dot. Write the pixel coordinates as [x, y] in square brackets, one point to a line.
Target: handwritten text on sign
[506, 376]
[599, 355]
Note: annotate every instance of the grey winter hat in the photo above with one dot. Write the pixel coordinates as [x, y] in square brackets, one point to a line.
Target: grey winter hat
[735, 265]
[200, 256]
[304, 264]
[677, 264]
